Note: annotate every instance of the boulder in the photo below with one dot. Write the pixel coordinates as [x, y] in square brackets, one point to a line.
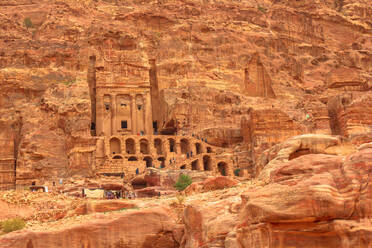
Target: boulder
[212, 183]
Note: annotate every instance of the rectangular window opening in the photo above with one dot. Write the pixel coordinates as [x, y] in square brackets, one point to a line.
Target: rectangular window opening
[124, 124]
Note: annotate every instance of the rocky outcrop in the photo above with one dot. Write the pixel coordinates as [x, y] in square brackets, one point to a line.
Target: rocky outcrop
[213, 183]
[315, 200]
[346, 79]
[48, 115]
[351, 116]
[264, 128]
[301, 145]
[311, 201]
[135, 228]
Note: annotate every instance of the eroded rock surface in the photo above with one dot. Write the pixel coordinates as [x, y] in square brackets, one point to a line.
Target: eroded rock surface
[135, 228]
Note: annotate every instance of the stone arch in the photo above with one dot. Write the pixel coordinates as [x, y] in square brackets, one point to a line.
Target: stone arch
[195, 165]
[115, 146]
[132, 158]
[148, 160]
[144, 146]
[117, 157]
[172, 145]
[222, 168]
[162, 162]
[158, 143]
[185, 146]
[207, 163]
[198, 148]
[130, 146]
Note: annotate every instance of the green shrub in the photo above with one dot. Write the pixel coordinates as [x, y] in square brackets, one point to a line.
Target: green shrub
[183, 182]
[28, 23]
[12, 225]
[68, 83]
[236, 172]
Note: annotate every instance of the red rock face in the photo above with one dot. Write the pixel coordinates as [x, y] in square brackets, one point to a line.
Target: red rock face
[213, 63]
[351, 114]
[318, 196]
[148, 228]
[245, 75]
[315, 200]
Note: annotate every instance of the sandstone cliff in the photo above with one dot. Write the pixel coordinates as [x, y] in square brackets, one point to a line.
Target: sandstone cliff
[214, 62]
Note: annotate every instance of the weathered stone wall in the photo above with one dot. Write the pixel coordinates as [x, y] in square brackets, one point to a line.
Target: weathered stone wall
[127, 154]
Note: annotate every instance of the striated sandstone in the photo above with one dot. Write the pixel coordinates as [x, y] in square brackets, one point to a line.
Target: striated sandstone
[201, 58]
[136, 228]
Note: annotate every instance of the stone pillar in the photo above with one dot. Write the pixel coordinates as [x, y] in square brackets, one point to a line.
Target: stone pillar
[152, 149]
[192, 147]
[148, 114]
[114, 129]
[100, 148]
[99, 115]
[178, 147]
[133, 112]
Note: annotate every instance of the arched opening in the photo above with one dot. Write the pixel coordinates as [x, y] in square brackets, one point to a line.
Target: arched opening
[148, 160]
[185, 146]
[159, 146]
[144, 146]
[132, 158]
[198, 148]
[195, 165]
[209, 149]
[183, 167]
[172, 145]
[162, 162]
[222, 168]
[130, 146]
[117, 157]
[115, 146]
[207, 163]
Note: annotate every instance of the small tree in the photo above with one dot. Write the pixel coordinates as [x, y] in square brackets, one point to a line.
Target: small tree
[12, 225]
[28, 23]
[183, 182]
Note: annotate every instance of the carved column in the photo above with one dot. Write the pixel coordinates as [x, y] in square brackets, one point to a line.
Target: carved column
[114, 115]
[178, 147]
[99, 115]
[133, 113]
[148, 115]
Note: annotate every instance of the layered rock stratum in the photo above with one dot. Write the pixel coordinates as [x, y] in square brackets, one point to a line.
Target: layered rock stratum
[284, 86]
[271, 65]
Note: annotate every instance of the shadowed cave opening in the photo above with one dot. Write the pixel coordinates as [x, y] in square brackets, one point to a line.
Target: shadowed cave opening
[299, 153]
